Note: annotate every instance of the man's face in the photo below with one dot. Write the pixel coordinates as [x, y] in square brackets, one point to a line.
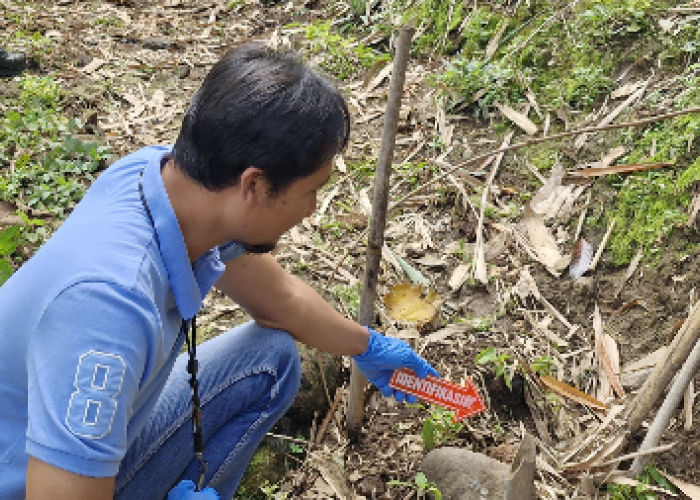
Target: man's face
[283, 210]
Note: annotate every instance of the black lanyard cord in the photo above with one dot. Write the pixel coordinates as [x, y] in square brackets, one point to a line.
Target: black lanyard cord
[192, 369]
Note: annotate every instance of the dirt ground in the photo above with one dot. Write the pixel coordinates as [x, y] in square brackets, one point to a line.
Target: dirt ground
[136, 63]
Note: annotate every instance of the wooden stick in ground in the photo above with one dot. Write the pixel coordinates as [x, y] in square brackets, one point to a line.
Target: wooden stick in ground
[669, 406]
[653, 388]
[356, 396]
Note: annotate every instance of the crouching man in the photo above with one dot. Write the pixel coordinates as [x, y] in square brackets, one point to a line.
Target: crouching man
[95, 400]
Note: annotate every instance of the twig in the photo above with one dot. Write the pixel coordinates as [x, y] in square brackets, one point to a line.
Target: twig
[319, 360]
[287, 438]
[329, 416]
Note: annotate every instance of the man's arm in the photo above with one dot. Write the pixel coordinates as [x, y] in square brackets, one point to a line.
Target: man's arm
[277, 299]
[46, 482]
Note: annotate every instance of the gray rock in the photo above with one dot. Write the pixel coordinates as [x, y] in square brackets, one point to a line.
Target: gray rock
[464, 475]
[156, 43]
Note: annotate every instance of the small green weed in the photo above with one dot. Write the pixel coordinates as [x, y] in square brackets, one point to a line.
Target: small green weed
[499, 362]
[650, 205]
[344, 57]
[10, 239]
[544, 365]
[439, 427]
[50, 168]
[421, 485]
[650, 476]
[441, 20]
[350, 296]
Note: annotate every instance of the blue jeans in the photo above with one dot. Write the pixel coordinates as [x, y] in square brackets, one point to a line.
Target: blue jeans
[248, 378]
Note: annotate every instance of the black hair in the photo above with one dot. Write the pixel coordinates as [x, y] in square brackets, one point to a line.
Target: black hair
[259, 107]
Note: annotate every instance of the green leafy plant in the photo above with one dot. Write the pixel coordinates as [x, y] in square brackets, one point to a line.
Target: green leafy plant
[422, 486]
[350, 295]
[650, 476]
[499, 362]
[343, 56]
[51, 167]
[439, 427]
[273, 491]
[544, 365]
[10, 238]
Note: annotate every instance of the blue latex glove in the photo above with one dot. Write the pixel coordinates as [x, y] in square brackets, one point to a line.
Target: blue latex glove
[185, 491]
[386, 354]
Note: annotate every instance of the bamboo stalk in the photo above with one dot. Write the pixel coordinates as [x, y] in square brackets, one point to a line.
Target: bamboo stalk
[669, 406]
[678, 352]
[356, 396]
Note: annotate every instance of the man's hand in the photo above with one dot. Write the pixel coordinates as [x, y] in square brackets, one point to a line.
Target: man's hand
[185, 491]
[386, 354]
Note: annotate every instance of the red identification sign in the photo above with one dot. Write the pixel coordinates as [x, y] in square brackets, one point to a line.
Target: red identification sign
[465, 400]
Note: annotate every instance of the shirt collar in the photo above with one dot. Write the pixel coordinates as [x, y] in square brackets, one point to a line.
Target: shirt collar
[188, 295]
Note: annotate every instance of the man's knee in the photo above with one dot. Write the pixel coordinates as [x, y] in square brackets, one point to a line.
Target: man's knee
[289, 362]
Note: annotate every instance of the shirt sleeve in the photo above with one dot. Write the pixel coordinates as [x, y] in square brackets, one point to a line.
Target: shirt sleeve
[85, 363]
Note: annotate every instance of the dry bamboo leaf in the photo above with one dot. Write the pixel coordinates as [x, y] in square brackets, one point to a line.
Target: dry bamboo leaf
[533, 101]
[459, 276]
[613, 114]
[630, 271]
[612, 156]
[411, 303]
[635, 374]
[431, 261]
[326, 202]
[572, 393]
[596, 459]
[543, 242]
[615, 410]
[619, 169]
[519, 119]
[371, 72]
[625, 90]
[604, 386]
[542, 202]
[691, 490]
[688, 403]
[333, 473]
[610, 357]
[599, 253]
[93, 66]
[383, 74]
[581, 259]
[496, 39]
[340, 163]
[693, 210]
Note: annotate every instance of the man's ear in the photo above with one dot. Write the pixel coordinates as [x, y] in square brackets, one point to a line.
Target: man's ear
[253, 184]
